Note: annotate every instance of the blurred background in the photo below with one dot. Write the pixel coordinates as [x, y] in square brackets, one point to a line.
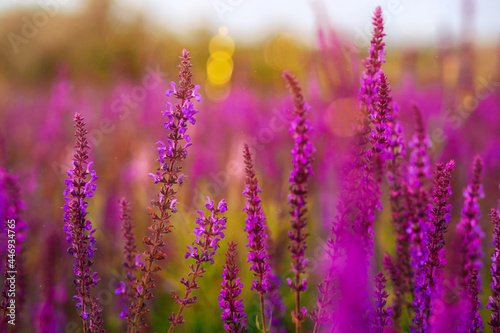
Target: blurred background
[112, 61]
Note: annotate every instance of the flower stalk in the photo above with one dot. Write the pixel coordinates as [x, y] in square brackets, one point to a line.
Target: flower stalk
[494, 299]
[381, 316]
[233, 313]
[430, 274]
[255, 226]
[131, 263]
[170, 154]
[208, 233]
[302, 157]
[79, 231]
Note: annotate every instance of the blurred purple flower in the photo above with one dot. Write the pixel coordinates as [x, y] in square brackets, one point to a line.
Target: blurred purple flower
[399, 288]
[494, 299]
[344, 286]
[468, 231]
[474, 321]
[15, 230]
[428, 277]
[419, 169]
[417, 196]
[393, 155]
[131, 262]
[372, 111]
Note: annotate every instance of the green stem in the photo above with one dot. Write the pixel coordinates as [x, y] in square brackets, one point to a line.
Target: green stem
[263, 313]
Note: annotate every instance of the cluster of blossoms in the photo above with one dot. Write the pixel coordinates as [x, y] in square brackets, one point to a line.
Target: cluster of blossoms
[169, 174]
[347, 300]
[257, 236]
[468, 238]
[469, 233]
[417, 197]
[494, 299]
[233, 313]
[373, 110]
[420, 165]
[255, 227]
[208, 234]
[302, 157]
[370, 80]
[399, 269]
[79, 231]
[360, 192]
[10, 210]
[428, 277]
[131, 262]
[381, 316]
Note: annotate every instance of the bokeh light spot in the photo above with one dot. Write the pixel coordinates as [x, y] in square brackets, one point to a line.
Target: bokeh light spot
[219, 68]
[223, 31]
[340, 116]
[217, 92]
[282, 52]
[221, 43]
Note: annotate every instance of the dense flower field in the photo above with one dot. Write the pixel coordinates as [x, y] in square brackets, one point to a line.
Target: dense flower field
[338, 201]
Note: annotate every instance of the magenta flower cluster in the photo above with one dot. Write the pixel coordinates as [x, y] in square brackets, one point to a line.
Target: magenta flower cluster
[208, 233]
[381, 316]
[302, 157]
[429, 276]
[331, 204]
[494, 299]
[255, 227]
[233, 313]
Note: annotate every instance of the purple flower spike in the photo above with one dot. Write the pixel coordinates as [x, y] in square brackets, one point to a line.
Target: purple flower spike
[468, 243]
[255, 227]
[171, 152]
[322, 311]
[474, 320]
[494, 300]
[131, 262]
[381, 316]
[370, 81]
[14, 228]
[420, 169]
[233, 313]
[208, 234]
[417, 197]
[399, 288]
[257, 236]
[429, 275]
[373, 111]
[393, 154]
[358, 199]
[302, 156]
[77, 227]
[378, 136]
[469, 233]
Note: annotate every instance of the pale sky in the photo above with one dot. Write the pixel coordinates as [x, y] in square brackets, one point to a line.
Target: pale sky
[407, 21]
